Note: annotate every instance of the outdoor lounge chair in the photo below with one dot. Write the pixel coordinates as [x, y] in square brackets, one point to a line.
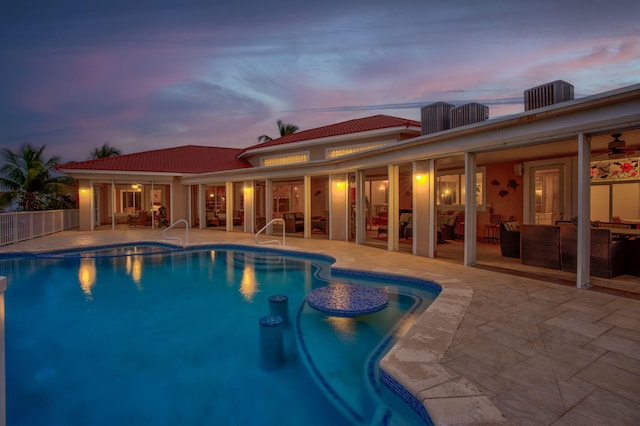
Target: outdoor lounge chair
[137, 220]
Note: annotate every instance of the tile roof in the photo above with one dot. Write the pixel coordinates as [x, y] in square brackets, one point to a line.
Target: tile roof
[189, 159]
[358, 125]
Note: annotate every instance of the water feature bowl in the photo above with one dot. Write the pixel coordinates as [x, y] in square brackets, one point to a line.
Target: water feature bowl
[347, 300]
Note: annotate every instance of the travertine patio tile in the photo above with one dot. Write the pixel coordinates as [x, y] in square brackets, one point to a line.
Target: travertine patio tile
[490, 353]
[595, 311]
[566, 322]
[574, 390]
[527, 410]
[621, 320]
[473, 369]
[602, 408]
[622, 361]
[465, 410]
[615, 380]
[516, 327]
[577, 355]
[616, 343]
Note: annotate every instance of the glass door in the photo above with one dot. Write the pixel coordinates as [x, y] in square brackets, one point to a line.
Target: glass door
[547, 205]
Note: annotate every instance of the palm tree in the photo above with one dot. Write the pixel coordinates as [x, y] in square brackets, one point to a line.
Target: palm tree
[285, 129]
[104, 151]
[31, 182]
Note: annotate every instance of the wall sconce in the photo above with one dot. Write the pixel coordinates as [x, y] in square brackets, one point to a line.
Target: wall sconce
[420, 178]
[84, 190]
[517, 169]
[339, 184]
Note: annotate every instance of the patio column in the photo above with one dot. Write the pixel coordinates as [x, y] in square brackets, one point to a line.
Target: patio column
[268, 204]
[113, 205]
[202, 207]
[393, 219]
[361, 205]
[423, 217]
[306, 194]
[229, 207]
[584, 207]
[248, 206]
[470, 209]
[339, 207]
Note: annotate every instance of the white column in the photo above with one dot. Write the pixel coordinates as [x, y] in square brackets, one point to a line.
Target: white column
[202, 209]
[113, 205]
[470, 218]
[229, 207]
[422, 217]
[307, 206]
[584, 207]
[249, 206]
[268, 204]
[361, 206]
[339, 207]
[393, 224]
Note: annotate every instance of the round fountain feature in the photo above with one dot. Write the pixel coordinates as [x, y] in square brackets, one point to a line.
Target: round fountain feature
[271, 345]
[279, 305]
[347, 300]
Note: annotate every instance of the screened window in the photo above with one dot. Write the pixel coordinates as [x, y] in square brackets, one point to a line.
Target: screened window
[450, 189]
[300, 157]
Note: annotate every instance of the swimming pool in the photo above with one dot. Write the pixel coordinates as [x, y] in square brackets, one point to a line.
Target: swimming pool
[97, 337]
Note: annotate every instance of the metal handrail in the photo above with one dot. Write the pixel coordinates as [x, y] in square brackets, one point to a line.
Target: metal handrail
[164, 233]
[272, 221]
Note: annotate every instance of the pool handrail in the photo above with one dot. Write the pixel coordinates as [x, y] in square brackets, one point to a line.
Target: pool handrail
[164, 233]
[272, 221]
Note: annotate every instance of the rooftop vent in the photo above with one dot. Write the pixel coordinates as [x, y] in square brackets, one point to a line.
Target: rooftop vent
[468, 114]
[435, 117]
[547, 94]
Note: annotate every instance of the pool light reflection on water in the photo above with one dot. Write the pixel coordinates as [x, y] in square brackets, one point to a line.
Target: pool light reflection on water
[173, 338]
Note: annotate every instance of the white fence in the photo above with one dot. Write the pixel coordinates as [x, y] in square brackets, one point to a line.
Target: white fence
[20, 226]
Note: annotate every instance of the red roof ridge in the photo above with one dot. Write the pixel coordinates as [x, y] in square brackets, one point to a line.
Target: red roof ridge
[356, 125]
[186, 159]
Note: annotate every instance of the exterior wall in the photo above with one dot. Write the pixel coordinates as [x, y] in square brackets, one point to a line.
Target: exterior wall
[505, 196]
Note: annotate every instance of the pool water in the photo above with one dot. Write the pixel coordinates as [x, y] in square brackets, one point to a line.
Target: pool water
[173, 338]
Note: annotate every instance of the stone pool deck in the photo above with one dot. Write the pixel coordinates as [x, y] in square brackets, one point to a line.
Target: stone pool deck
[492, 349]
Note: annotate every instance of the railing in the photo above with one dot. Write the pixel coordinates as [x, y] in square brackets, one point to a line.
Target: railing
[186, 224]
[20, 226]
[272, 221]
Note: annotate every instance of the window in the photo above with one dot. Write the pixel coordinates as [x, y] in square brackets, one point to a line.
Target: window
[130, 200]
[299, 157]
[339, 152]
[450, 189]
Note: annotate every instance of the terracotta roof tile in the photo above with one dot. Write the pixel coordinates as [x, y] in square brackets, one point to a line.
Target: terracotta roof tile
[189, 159]
[375, 122]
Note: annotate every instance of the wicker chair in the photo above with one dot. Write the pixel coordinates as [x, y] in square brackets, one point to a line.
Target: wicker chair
[607, 257]
[509, 242]
[540, 245]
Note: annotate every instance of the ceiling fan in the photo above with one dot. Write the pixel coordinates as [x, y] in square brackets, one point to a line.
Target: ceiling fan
[617, 148]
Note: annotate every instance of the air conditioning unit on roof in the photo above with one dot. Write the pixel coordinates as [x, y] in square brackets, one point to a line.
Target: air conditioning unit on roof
[547, 94]
[468, 114]
[435, 117]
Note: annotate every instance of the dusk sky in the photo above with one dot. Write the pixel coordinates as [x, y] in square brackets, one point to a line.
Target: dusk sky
[153, 74]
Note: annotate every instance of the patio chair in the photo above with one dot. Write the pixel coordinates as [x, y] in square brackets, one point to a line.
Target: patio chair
[137, 220]
[607, 256]
[540, 245]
